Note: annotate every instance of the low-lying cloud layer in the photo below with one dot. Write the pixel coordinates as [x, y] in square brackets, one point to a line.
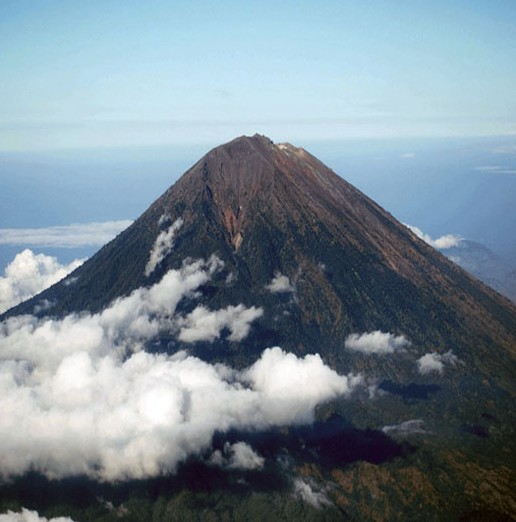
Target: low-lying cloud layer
[28, 274]
[83, 397]
[441, 243]
[65, 236]
[376, 342]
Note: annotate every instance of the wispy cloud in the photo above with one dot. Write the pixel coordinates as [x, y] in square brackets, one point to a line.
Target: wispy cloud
[65, 236]
[162, 245]
[408, 155]
[28, 274]
[376, 342]
[84, 397]
[412, 426]
[496, 169]
[442, 243]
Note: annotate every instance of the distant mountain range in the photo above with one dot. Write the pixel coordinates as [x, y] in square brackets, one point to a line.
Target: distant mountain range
[294, 256]
[486, 265]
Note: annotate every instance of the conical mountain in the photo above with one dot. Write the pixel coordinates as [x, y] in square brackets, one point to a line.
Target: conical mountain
[275, 211]
[327, 271]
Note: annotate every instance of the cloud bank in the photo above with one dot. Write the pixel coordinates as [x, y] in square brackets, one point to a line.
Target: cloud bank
[28, 274]
[66, 236]
[376, 342]
[435, 362]
[441, 243]
[162, 245]
[83, 396]
[26, 515]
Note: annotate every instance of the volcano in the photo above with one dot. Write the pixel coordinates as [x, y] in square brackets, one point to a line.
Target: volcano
[276, 213]
[325, 270]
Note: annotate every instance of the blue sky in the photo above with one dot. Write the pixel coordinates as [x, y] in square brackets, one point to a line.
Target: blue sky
[107, 73]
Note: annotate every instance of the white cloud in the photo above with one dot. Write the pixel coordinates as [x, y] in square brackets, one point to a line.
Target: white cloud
[308, 492]
[28, 274]
[447, 241]
[162, 245]
[206, 325]
[408, 155]
[376, 342]
[280, 284]
[442, 243]
[29, 516]
[435, 362]
[496, 169]
[406, 428]
[83, 397]
[291, 387]
[66, 236]
[237, 456]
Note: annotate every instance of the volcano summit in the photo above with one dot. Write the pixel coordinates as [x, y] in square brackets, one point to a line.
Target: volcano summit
[259, 246]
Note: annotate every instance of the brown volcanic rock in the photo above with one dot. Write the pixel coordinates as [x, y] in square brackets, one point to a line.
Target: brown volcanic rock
[266, 209]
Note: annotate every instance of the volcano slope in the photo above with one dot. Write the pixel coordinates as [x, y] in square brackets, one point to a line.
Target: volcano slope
[298, 258]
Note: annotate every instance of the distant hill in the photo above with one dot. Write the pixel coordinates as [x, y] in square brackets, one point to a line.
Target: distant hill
[486, 265]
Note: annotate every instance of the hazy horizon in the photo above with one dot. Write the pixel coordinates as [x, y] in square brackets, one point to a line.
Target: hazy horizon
[97, 74]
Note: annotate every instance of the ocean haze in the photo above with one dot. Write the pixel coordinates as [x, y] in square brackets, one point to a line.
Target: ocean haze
[86, 186]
